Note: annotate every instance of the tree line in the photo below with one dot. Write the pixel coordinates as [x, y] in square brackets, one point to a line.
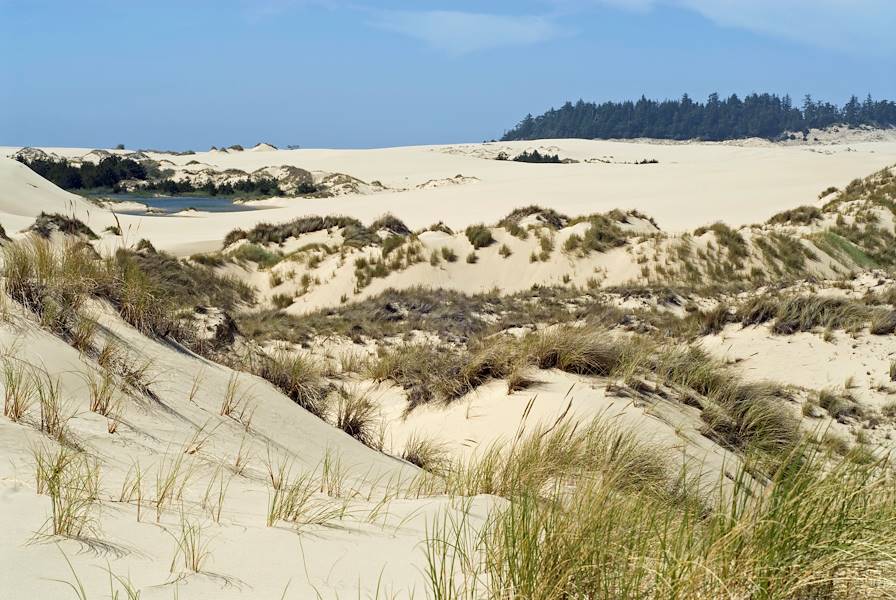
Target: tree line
[110, 172]
[757, 115]
[107, 173]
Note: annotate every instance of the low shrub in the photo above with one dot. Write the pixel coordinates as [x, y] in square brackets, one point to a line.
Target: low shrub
[47, 223]
[480, 236]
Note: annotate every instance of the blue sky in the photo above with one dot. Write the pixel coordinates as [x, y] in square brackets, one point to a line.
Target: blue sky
[327, 73]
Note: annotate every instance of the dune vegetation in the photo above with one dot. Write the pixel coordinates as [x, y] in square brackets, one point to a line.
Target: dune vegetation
[548, 406]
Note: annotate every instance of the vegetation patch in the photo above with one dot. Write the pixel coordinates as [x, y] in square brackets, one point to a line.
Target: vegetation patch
[480, 236]
[842, 249]
[267, 233]
[45, 224]
[264, 258]
[802, 215]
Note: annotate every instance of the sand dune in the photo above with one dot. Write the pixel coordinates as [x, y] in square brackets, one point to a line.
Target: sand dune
[689, 380]
[693, 184]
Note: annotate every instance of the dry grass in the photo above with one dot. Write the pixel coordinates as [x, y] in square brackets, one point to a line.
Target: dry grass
[294, 498]
[736, 414]
[425, 453]
[298, 376]
[103, 389]
[355, 414]
[807, 313]
[71, 480]
[54, 416]
[51, 281]
[191, 547]
[593, 513]
[18, 388]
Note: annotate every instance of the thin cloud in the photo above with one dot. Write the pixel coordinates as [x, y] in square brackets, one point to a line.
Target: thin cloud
[856, 26]
[457, 33]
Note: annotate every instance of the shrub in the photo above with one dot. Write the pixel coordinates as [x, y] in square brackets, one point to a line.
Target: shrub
[505, 251]
[472, 258]
[536, 157]
[603, 235]
[448, 254]
[480, 236]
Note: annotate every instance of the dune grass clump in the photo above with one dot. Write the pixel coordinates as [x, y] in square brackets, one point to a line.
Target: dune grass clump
[392, 224]
[730, 239]
[842, 249]
[448, 254]
[192, 548]
[480, 236]
[548, 216]
[622, 526]
[425, 453]
[580, 350]
[603, 234]
[421, 369]
[298, 376]
[71, 480]
[807, 313]
[736, 414]
[713, 321]
[53, 282]
[801, 215]
[883, 322]
[266, 233]
[294, 498]
[18, 389]
[103, 389]
[209, 260]
[391, 243]
[45, 224]
[355, 414]
[54, 414]
[265, 259]
[149, 288]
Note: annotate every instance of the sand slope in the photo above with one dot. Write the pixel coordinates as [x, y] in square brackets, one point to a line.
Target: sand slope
[345, 556]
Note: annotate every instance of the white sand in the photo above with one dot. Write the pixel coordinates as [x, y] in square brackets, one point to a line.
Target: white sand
[693, 184]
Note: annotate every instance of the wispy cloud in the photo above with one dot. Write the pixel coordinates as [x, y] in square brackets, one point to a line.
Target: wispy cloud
[859, 26]
[458, 33]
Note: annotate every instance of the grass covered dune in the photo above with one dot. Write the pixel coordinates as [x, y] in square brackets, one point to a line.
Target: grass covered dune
[570, 438]
[578, 508]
